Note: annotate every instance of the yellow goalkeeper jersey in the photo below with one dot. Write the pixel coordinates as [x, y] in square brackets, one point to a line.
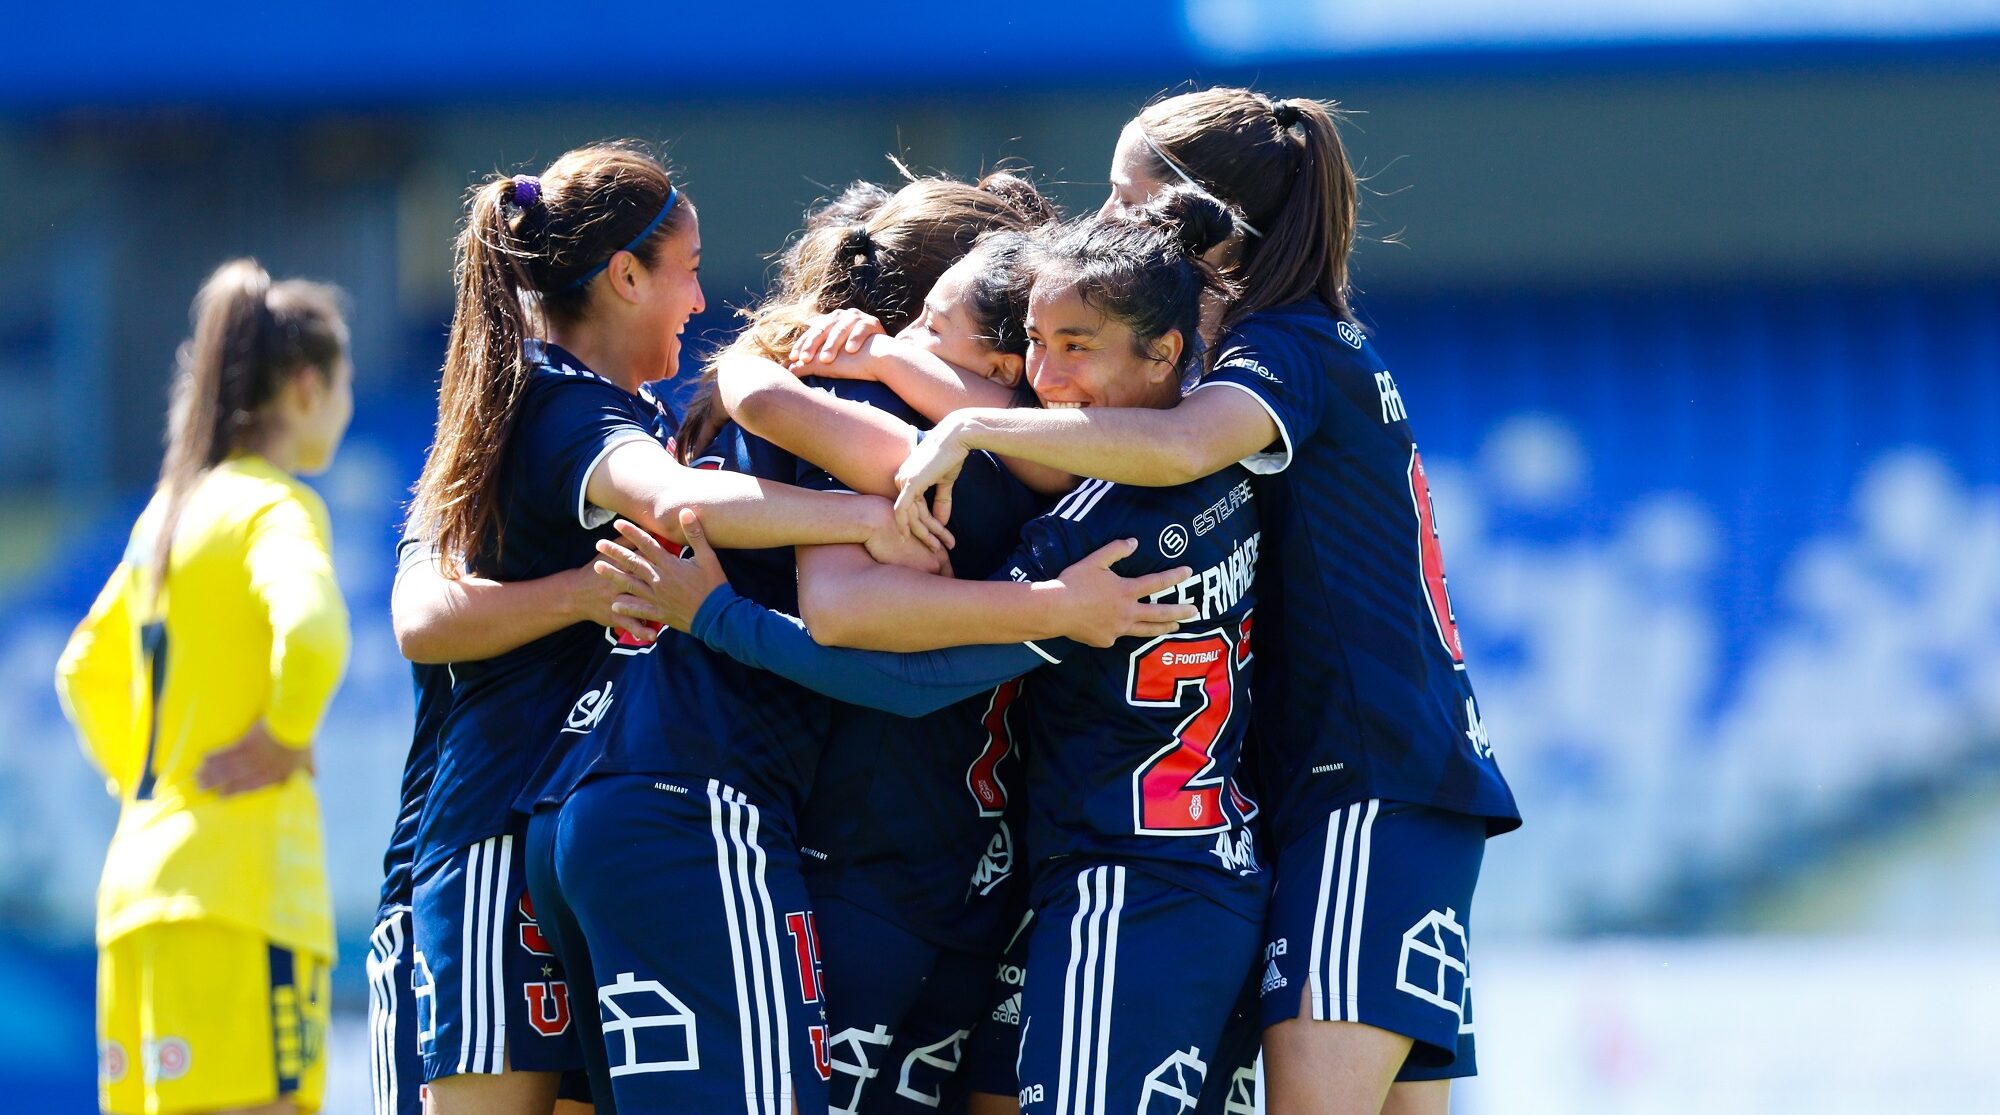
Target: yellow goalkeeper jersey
[250, 626]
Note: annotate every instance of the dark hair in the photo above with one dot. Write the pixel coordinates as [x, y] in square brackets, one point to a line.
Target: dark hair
[883, 264]
[1143, 268]
[1281, 165]
[250, 335]
[1002, 274]
[526, 256]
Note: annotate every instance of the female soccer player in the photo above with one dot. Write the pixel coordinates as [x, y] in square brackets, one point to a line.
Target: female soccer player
[573, 289]
[675, 797]
[912, 825]
[1148, 896]
[440, 619]
[1379, 771]
[197, 683]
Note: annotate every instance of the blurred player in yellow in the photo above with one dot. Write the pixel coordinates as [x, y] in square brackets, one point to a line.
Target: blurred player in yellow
[197, 682]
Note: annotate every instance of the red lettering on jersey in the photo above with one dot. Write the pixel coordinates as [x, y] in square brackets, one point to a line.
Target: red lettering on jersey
[983, 777]
[1430, 554]
[548, 1006]
[531, 934]
[822, 1059]
[1243, 642]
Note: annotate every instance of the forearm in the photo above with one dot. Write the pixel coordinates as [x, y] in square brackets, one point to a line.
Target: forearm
[931, 386]
[1137, 446]
[860, 445]
[905, 684]
[469, 619]
[747, 513]
[309, 651]
[889, 608]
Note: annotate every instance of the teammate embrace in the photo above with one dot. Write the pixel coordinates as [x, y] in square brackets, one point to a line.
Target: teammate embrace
[957, 804]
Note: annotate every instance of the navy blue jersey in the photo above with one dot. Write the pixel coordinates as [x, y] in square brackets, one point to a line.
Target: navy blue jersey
[433, 692]
[676, 707]
[1132, 749]
[1368, 696]
[505, 710]
[916, 819]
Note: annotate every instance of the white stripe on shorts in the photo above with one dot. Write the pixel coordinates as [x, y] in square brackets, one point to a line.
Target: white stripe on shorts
[503, 905]
[728, 813]
[384, 960]
[1334, 975]
[1088, 984]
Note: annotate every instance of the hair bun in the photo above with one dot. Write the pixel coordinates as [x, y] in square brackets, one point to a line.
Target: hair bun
[1021, 196]
[1195, 219]
[1286, 113]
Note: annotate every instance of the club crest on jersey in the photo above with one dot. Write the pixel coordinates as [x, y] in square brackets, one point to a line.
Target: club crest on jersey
[1350, 334]
[1173, 540]
[589, 710]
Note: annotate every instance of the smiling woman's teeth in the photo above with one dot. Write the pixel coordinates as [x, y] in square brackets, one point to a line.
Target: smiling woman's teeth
[1063, 406]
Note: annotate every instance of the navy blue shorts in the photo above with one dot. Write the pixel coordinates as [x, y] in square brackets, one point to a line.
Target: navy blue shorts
[488, 992]
[396, 1068]
[993, 1052]
[1131, 981]
[1371, 922]
[681, 905]
[899, 1012]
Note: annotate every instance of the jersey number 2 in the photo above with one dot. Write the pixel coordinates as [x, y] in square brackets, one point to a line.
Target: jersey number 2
[1175, 793]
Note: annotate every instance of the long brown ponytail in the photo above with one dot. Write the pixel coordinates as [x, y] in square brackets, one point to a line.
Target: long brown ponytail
[249, 336]
[527, 256]
[1282, 166]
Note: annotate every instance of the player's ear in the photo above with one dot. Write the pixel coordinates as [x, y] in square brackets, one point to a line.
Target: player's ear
[1006, 369]
[1166, 357]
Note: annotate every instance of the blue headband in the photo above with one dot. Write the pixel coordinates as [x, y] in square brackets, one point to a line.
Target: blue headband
[673, 195]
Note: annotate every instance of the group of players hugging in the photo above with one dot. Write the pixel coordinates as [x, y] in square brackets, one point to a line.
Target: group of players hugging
[1022, 679]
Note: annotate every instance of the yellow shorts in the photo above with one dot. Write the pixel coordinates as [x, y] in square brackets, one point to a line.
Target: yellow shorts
[196, 1016]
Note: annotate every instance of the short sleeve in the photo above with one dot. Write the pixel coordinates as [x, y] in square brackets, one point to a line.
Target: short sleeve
[570, 426]
[1261, 361]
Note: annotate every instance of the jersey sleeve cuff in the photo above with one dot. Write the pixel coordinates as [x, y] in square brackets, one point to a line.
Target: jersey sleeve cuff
[1269, 461]
[1045, 655]
[588, 516]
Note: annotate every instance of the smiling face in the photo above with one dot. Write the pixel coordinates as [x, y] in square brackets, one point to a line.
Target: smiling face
[1078, 357]
[672, 289]
[1132, 181]
[948, 328]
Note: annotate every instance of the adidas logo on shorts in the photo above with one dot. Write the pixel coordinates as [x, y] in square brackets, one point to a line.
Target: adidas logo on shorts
[1009, 1012]
[1273, 979]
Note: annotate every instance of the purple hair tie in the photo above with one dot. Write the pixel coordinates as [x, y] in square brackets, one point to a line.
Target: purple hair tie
[527, 190]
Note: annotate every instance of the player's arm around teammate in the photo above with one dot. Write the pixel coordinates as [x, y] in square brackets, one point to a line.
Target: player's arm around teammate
[1374, 742]
[198, 682]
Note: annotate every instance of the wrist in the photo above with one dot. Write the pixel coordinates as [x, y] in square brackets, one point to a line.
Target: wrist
[878, 517]
[578, 588]
[1048, 610]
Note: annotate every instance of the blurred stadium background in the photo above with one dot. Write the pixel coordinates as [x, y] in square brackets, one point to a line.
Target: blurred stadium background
[1696, 304]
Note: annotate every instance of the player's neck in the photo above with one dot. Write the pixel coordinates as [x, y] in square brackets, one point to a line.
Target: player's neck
[608, 352]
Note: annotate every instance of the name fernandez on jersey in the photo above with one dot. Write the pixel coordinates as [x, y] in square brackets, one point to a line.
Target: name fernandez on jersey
[1220, 587]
